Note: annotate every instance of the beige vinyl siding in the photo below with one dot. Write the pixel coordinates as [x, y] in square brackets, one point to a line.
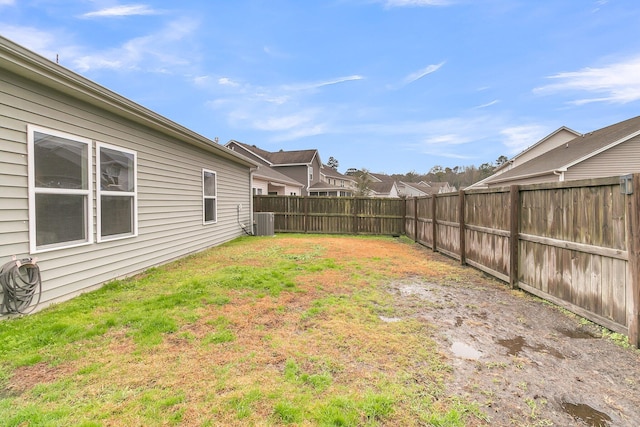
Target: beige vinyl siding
[258, 183]
[619, 160]
[289, 190]
[14, 236]
[169, 191]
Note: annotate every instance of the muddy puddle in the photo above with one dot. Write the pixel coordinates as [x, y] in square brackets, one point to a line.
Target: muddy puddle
[515, 346]
[586, 414]
[465, 351]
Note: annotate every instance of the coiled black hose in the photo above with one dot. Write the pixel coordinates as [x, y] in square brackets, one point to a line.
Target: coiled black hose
[20, 281]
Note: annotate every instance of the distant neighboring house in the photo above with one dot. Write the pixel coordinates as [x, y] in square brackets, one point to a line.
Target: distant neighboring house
[611, 151]
[266, 180]
[382, 185]
[555, 139]
[299, 166]
[422, 188]
[383, 189]
[271, 182]
[333, 183]
[406, 189]
[98, 187]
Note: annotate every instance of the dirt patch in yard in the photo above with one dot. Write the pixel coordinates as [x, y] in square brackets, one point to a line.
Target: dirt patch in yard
[524, 361]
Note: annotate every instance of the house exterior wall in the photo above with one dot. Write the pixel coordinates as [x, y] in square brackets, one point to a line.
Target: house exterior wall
[290, 190]
[409, 191]
[298, 173]
[169, 191]
[619, 160]
[259, 186]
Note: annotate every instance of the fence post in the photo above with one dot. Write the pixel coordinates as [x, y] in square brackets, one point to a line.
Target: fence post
[403, 213]
[461, 204]
[305, 203]
[434, 223]
[633, 249]
[415, 219]
[354, 212]
[514, 231]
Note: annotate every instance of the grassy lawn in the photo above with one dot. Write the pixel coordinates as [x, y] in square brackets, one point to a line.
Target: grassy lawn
[286, 330]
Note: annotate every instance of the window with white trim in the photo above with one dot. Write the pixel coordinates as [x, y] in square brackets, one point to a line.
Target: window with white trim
[60, 202]
[209, 197]
[117, 202]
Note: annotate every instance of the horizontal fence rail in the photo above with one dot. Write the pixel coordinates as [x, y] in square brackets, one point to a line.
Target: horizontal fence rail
[576, 243]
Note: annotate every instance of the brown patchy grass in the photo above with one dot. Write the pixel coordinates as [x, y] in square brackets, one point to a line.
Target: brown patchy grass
[232, 364]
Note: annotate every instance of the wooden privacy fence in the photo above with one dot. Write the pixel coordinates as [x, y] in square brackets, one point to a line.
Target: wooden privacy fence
[576, 243]
[337, 215]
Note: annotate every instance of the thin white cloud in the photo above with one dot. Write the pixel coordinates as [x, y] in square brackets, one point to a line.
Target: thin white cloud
[122, 10]
[423, 72]
[226, 81]
[302, 132]
[488, 104]
[317, 85]
[285, 122]
[161, 52]
[598, 4]
[614, 83]
[416, 3]
[7, 2]
[278, 109]
[445, 137]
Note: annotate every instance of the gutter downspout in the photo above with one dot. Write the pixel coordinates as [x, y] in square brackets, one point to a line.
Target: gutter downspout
[251, 171]
[559, 173]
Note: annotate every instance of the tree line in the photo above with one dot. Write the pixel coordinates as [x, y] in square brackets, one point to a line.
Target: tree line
[458, 176]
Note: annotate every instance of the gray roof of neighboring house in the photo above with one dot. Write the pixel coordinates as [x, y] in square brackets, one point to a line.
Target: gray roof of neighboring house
[280, 158]
[382, 177]
[573, 152]
[293, 157]
[331, 172]
[383, 187]
[252, 149]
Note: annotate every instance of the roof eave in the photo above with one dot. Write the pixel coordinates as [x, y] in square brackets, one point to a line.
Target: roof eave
[525, 176]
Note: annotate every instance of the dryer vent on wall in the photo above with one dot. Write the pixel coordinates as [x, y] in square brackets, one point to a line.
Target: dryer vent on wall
[263, 223]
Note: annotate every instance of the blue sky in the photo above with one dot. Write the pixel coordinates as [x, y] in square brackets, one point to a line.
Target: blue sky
[388, 85]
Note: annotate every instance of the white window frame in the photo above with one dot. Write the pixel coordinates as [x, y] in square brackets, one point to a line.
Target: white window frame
[214, 198]
[100, 192]
[33, 190]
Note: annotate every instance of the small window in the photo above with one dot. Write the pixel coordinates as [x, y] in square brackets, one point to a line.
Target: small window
[117, 192]
[60, 202]
[209, 197]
